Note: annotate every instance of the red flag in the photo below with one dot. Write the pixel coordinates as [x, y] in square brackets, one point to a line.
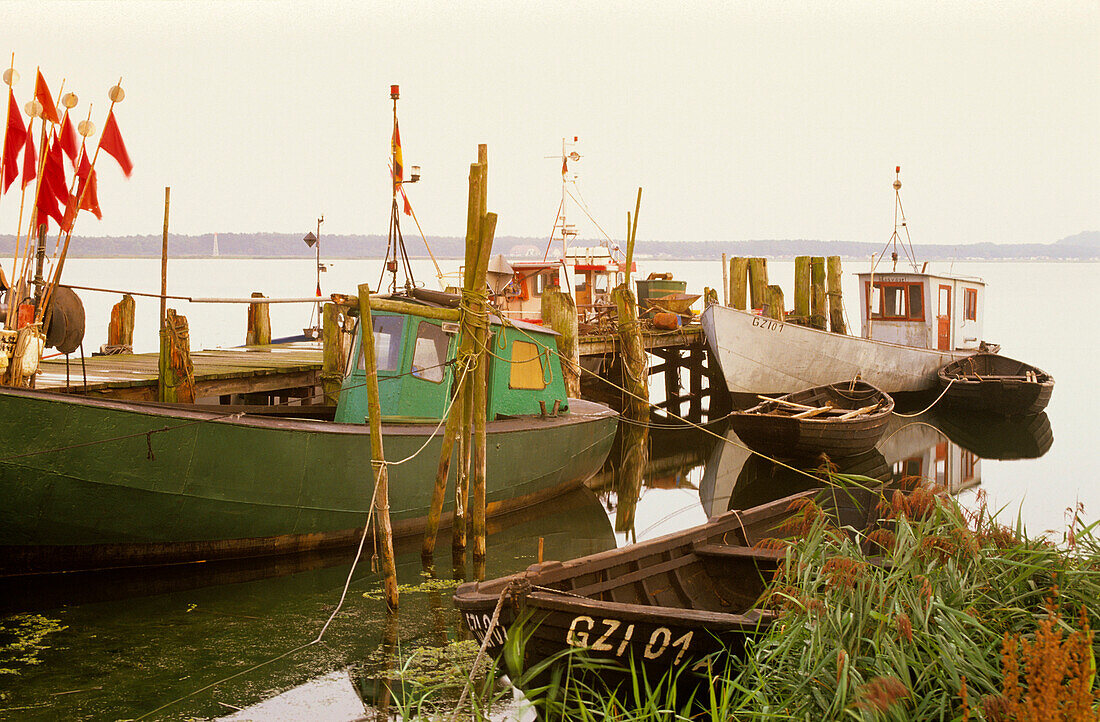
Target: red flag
[318, 289]
[67, 136]
[91, 198]
[30, 162]
[408, 207]
[86, 191]
[564, 166]
[14, 137]
[111, 142]
[43, 96]
[53, 175]
[398, 163]
[47, 206]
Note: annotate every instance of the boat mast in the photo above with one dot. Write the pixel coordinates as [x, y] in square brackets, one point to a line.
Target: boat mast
[899, 213]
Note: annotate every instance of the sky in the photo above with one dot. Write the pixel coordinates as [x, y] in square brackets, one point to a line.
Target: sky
[740, 120]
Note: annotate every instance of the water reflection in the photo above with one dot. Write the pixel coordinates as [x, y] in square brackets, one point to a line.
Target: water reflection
[134, 642]
[942, 448]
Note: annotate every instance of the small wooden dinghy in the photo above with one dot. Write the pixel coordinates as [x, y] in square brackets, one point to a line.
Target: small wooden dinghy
[660, 603]
[995, 383]
[841, 420]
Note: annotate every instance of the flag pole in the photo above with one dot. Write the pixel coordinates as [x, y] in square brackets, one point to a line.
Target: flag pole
[7, 116]
[37, 191]
[115, 94]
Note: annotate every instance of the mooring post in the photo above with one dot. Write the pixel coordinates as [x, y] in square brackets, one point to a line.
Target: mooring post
[836, 297]
[818, 313]
[259, 323]
[164, 259]
[120, 330]
[773, 307]
[631, 348]
[802, 289]
[176, 375]
[480, 402]
[378, 463]
[725, 281]
[559, 312]
[758, 281]
[332, 353]
[739, 276]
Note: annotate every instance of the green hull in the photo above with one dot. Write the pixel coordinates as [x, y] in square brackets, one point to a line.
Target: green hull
[121, 484]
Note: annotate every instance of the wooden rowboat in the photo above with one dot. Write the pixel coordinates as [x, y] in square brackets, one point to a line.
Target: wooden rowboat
[995, 383]
[659, 603]
[841, 420]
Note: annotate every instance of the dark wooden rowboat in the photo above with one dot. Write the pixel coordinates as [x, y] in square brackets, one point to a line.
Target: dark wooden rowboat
[997, 384]
[841, 420]
[660, 602]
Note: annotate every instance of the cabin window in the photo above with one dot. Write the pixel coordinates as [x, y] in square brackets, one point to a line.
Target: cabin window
[526, 365]
[601, 283]
[897, 301]
[970, 304]
[430, 352]
[945, 301]
[388, 331]
[582, 282]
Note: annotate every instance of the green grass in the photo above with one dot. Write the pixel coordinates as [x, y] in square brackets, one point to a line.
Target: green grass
[935, 613]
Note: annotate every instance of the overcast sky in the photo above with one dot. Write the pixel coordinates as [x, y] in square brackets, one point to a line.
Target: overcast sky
[741, 120]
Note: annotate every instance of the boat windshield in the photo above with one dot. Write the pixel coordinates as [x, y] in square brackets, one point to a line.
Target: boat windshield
[387, 343]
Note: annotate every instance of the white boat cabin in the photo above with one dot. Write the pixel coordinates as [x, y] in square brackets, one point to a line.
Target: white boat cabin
[923, 310]
[592, 270]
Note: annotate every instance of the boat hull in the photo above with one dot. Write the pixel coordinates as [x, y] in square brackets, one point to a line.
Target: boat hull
[661, 603]
[996, 384]
[763, 356]
[785, 436]
[90, 483]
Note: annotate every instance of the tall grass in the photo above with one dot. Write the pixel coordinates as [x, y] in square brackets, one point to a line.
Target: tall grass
[934, 613]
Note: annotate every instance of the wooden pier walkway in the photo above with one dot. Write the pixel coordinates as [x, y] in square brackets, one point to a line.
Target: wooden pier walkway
[292, 370]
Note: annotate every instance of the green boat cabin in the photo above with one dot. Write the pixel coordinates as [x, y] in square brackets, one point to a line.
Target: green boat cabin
[416, 370]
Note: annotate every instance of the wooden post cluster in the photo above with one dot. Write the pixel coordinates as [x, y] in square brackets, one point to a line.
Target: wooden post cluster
[259, 323]
[378, 465]
[469, 408]
[120, 330]
[836, 297]
[176, 375]
[738, 283]
[818, 310]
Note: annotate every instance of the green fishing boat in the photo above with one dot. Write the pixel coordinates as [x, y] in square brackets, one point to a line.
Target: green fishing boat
[92, 483]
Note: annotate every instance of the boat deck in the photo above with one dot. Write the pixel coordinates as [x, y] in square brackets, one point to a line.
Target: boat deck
[290, 368]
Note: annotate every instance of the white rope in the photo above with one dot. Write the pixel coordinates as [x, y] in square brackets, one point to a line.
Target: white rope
[481, 652]
[929, 407]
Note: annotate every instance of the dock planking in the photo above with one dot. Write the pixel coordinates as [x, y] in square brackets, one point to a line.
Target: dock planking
[218, 372]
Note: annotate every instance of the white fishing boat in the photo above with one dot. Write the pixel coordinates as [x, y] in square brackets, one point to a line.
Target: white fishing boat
[913, 324]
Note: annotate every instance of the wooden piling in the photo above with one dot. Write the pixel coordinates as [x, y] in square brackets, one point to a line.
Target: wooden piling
[802, 289]
[176, 375]
[378, 466]
[480, 404]
[738, 283]
[631, 348]
[164, 259]
[818, 311]
[332, 353]
[559, 312]
[773, 306]
[120, 330]
[758, 281]
[259, 323]
[725, 281]
[836, 297]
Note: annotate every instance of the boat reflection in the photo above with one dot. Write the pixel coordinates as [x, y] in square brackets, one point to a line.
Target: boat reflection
[940, 447]
[147, 638]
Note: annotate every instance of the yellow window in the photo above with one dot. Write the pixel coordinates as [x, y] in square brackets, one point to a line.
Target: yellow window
[526, 367]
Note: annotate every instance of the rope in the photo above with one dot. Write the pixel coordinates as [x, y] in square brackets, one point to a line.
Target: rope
[929, 407]
[481, 652]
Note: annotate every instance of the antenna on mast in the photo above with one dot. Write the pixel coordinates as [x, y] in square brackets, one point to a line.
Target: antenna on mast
[899, 213]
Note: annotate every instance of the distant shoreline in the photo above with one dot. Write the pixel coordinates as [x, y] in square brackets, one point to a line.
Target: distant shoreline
[1083, 246]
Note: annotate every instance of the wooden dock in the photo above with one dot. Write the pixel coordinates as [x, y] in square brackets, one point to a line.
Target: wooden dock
[290, 370]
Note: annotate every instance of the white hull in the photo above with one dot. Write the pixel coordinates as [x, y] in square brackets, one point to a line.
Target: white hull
[763, 356]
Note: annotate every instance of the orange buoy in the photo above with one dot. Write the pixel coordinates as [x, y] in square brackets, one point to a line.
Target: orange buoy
[667, 321]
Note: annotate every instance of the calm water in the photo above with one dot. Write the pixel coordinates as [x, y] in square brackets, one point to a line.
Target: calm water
[122, 647]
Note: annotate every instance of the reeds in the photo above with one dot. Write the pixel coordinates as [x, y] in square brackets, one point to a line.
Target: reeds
[933, 613]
